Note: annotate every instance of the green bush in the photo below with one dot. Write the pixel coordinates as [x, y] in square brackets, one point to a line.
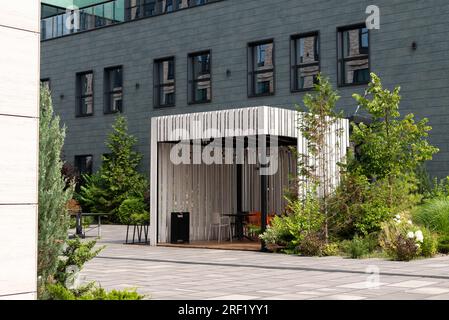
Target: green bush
[443, 244]
[434, 215]
[133, 211]
[313, 244]
[429, 246]
[357, 247]
[90, 292]
[303, 217]
[76, 253]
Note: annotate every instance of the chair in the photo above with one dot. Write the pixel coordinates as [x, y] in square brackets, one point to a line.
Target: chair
[222, 222]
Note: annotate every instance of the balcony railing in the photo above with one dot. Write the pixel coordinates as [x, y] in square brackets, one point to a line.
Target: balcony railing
[109, 13]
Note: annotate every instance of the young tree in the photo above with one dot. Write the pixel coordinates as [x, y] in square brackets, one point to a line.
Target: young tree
[118, 178]
[54, 192]
[389, 146]
[317, 123]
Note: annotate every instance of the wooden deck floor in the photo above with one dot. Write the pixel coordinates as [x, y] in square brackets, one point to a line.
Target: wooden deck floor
[225, 245]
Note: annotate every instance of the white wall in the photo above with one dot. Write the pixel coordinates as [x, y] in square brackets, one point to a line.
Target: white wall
[19, 110]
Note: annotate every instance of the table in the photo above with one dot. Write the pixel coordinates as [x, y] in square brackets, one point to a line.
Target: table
[239, 222]
[79, 225]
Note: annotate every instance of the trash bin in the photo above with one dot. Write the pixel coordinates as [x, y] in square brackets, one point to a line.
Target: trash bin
[180, 227]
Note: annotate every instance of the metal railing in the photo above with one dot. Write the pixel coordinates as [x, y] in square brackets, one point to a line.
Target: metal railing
[108, 13]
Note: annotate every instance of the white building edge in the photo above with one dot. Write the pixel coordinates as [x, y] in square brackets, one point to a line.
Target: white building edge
[19, 132]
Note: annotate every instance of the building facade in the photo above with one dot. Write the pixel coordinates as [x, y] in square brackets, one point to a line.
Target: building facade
[19, 143]
[153, 58]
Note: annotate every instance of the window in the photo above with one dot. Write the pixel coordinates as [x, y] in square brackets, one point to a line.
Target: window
[113, 89]
[46, 83]
[199, 77]
[261, 68]
[83, 164]
[353, 55]
[164, 82]
[84, 93]
[305, 61]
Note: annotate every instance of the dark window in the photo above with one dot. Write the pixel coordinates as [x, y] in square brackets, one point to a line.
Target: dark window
[84, 93]
[353, 55]
[164, 82]
[113, 89]
[305, 61]
[261, 68]
[46, 83]
[83, 164]
[199, 81]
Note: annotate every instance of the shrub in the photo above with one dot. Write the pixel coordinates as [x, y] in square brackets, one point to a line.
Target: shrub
[289, 230]
[313, 244]
[331, 249]
[443, 244]
[403, 241]
[434, 215]
[429, 246]
[133, 211]
[357, 247]
[75, 254]
[91, 292]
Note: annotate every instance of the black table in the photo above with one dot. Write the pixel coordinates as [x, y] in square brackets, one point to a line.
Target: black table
[239, 222]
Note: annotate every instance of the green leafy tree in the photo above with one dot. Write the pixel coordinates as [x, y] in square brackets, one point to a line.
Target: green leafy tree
[390, 145]
[118, 178]
[54, 192]
[315, 124]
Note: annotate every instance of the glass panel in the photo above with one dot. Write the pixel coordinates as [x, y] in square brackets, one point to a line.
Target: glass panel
[201, 65]
[264, 83]
[306, 77]
[167, 95]
[263, 58]
[307, 50]
[109, 13]
[202, 91]
[115, 79]
[116, 101]
[356, 71]
[355, 42]
[87, 105]
[87, 84]
[166, 71]
[119, 13]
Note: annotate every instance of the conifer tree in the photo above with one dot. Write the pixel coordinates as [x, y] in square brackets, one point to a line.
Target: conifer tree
[54, 192]
[118, 178]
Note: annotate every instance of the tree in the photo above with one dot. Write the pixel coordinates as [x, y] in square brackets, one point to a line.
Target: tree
[316, 124]
[118, 178]
[54, 192]
[389, 146]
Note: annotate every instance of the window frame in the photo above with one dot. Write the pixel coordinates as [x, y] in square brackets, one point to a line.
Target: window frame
[107, 90]
[79, 96]
[191, 82]
[157, 83]
[251, 74]
[340, 54]
[79, 156]
[294, 65]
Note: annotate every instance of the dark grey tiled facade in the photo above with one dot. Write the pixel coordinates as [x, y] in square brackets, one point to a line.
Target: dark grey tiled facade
[226, 28]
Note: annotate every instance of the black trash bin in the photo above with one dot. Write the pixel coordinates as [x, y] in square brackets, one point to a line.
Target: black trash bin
[180, 227]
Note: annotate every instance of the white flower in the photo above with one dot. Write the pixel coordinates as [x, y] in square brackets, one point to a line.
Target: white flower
[419, 236]
[398, 217]
[410, 235]
[410, 222]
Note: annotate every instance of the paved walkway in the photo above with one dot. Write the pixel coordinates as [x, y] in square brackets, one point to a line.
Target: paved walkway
[181, 273]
